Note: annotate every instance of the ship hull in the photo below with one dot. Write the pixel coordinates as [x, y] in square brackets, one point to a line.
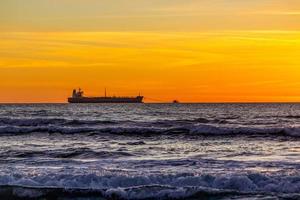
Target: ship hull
[105, 100]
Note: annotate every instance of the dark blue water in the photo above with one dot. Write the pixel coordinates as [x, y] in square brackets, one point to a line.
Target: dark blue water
[150, 151]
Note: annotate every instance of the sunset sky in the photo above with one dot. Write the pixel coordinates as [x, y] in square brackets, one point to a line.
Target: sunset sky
[190, 50]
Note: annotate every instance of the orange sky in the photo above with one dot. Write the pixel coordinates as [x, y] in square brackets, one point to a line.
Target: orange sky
[197, 51]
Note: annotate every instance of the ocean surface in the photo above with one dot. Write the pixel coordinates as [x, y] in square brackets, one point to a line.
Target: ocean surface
[150, 151]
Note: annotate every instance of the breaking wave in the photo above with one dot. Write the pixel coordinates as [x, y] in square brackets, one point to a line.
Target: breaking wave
[148, 187]
[201, 129]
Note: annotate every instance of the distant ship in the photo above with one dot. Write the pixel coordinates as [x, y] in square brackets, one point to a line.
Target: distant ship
[77, 97]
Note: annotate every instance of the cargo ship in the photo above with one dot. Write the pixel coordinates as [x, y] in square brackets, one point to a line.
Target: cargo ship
[78, 97]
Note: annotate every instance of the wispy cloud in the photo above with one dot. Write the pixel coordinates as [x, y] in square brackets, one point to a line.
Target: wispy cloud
[225, 7]
[274, 12]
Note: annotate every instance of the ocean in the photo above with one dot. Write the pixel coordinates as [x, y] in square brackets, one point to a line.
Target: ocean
[150, 151]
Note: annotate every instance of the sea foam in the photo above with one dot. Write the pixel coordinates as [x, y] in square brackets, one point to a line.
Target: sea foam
[159, 185]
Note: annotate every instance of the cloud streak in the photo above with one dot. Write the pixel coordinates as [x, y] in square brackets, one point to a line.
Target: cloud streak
[145, 15]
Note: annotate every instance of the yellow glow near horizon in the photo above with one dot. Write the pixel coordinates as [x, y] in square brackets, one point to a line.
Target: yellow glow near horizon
[192, 50]
[199, 66]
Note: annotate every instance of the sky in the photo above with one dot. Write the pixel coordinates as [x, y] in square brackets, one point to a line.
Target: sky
[190, 50]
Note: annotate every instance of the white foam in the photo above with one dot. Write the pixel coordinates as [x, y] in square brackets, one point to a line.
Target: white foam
[159, 185]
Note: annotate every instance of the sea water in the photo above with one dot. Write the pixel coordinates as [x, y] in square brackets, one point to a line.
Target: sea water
[150, 151]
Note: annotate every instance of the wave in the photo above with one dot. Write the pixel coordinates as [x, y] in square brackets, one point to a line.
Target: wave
[198, 126]
[50, 121]
[66, 153]
[31, 122]
[19, 192]
[180, 186]
[201, 129]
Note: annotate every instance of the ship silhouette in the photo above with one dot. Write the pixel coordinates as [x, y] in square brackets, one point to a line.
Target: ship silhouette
[78, 97]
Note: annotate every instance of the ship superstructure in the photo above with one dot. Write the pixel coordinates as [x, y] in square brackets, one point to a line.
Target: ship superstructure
[78, 97]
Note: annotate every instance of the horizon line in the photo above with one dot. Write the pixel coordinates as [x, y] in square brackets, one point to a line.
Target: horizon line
[213, 102]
